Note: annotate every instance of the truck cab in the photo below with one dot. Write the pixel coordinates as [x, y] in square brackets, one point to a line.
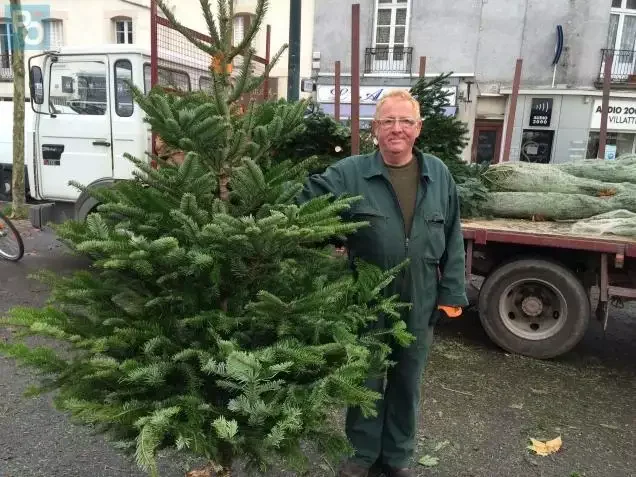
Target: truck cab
[84, 122]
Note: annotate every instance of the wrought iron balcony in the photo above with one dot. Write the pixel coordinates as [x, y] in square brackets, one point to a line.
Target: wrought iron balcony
[393, 60]
[6, 71]
[623, 69]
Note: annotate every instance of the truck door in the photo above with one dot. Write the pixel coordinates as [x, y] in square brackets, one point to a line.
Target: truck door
[75, 141]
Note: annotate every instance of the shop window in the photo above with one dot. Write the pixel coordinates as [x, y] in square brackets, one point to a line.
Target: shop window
[536, 146]
[617, 144]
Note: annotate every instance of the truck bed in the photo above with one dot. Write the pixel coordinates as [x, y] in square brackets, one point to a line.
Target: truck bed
[545, 234]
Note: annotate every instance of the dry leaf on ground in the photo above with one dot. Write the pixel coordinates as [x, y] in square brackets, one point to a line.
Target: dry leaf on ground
[428, 461]
[546, 448]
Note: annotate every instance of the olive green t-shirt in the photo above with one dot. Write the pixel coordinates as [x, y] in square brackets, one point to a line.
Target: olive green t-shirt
[405, 180]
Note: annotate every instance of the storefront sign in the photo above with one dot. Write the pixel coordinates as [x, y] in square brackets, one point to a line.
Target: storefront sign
[371, 94]
[621, 115]
[541, 112]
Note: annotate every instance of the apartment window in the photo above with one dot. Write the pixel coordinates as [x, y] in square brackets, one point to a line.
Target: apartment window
[123, 30]
[6, 36]
[54, 33]
[242, 23]
[622, 29]
[390, 35]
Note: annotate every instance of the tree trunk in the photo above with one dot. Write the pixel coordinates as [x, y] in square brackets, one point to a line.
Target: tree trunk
[18, 205]
[224, 191]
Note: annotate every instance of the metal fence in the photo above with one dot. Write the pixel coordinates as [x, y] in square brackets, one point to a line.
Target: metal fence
[181, 66]
[623, 65]
[382, 59]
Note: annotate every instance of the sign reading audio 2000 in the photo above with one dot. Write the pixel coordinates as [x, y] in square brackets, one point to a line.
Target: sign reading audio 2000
[621, 115]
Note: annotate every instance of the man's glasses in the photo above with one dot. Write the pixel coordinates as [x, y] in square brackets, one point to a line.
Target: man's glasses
[403, 123]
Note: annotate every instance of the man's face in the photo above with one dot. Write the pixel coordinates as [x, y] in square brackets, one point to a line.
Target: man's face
[397, 126]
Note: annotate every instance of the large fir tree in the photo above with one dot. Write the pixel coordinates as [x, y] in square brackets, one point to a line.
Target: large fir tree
[214, 319]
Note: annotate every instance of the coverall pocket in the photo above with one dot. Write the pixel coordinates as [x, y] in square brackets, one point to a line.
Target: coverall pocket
[436, 236]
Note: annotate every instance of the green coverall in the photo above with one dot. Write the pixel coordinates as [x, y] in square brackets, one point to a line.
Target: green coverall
[435, 276]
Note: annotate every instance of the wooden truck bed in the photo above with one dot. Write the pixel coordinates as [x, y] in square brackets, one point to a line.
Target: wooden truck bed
[544, 234]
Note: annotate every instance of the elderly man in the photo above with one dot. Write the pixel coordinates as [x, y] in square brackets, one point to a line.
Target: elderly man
[411, 203]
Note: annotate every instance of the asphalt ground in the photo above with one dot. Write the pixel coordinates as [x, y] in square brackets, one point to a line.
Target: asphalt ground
[480, 405]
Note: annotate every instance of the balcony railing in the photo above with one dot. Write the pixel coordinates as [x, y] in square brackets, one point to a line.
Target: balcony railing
[6, 72]
[388, 60]
[623, 70]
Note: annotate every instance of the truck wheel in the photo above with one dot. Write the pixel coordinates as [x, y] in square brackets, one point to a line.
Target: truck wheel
[534, 307]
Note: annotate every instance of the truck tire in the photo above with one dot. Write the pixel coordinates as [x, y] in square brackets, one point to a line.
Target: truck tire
[534, 307]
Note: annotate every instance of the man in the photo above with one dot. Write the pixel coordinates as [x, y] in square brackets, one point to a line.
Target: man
[411, 203]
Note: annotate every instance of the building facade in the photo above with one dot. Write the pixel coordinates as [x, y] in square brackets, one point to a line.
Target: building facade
[102, 22]
[557, 114]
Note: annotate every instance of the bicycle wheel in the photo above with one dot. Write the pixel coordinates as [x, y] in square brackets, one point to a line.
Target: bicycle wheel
[11, 245]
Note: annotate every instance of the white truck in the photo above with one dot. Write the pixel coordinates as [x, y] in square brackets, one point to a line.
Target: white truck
[80, 122]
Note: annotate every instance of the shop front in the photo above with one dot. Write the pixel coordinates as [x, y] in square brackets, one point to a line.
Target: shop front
[621, 127]
[369, 96]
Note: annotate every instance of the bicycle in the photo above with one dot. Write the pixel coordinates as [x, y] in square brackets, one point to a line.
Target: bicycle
[11, 244]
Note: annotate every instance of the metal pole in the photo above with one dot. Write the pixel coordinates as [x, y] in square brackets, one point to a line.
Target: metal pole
[607, 80]
[513, 109]
[293, 62]
[422, 66]
[154, 76]
[268, 41]
[336, 92]
[355, 78]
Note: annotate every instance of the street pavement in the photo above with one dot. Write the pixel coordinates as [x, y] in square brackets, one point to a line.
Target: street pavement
[480, 405]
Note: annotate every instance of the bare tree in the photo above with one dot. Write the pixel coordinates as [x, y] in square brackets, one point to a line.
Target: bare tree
[19, 34]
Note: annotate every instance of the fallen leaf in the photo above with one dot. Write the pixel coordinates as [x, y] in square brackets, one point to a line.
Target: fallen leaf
[209, 470]
[539, 391]
[546, 448]
[441, 445]
[609, 426]
[428, 461]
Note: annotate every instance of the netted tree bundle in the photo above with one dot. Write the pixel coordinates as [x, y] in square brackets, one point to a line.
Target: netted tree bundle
[529, 177]
[617, 222]
[618, 171]
[554, 205]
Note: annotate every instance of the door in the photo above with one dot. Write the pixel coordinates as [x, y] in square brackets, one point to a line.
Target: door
[389, 37]
[487, 142]
[74, 141]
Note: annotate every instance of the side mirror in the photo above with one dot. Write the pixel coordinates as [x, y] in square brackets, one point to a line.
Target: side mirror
[36, 85]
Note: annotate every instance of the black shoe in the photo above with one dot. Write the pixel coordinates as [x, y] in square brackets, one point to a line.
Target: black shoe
[397, 471]
[353, 469]
[376, 470]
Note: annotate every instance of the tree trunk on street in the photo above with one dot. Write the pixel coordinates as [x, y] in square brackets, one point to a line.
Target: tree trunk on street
[18, 192]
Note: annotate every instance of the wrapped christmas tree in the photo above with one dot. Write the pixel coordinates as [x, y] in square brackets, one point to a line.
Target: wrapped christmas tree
[214, 319]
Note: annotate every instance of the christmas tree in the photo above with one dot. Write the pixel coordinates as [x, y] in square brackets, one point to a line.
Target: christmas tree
[446, 137]
[214, 319]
